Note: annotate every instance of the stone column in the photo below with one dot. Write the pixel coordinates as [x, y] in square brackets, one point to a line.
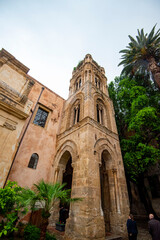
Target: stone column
[85, 220]
[56, 175]
[116, 190]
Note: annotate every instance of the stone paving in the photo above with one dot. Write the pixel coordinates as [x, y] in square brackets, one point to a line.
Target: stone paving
[143, 233]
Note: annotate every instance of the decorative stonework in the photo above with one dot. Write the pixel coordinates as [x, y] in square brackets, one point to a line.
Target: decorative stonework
[98, 174]
[9, 126]
[7, 123]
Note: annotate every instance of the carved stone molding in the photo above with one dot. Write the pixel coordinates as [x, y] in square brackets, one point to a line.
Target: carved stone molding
[7, 123]
[10, 107]
[9, 126]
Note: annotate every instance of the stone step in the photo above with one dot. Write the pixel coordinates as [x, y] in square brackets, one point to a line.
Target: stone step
[113, 237]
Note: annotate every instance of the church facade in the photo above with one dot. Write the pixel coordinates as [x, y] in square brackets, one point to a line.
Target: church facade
[73, 141]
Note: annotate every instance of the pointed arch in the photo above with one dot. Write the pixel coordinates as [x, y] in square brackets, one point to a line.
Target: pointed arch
[76, 111]
[102, 108]
[101, 145]
[67, 146]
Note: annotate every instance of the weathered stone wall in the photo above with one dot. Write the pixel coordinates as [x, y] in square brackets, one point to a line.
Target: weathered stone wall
[90, 143]
[14, 108]
[82, 129]
[38, 140]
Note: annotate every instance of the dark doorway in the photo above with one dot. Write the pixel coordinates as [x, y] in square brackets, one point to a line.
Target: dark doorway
[67, 179]
[67, 175]
[105, 193]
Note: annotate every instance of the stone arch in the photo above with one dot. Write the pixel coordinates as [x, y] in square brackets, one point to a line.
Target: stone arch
[67, 146]
[101, 145]
[106, 156]
[78, 83]
[98, 81]
[106, 106]
[76, 102]
[66, 153]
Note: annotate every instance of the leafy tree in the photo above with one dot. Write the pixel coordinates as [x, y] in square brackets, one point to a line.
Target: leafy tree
[10, 207]
[137, 111]
[142, 55]
[46, 196]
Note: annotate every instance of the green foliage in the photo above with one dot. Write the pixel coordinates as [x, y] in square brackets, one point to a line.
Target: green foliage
[46, 195]
[78, 65]
[136, 103]
[8, 197]
[137, 55]
[50, 236]
[8, 226]
[31, 232]
[10, 206]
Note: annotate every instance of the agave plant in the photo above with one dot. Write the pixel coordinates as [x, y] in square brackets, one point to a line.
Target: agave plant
[143, 55]
[46, 196]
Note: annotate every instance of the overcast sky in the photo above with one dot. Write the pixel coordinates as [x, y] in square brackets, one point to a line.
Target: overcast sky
[51, 36]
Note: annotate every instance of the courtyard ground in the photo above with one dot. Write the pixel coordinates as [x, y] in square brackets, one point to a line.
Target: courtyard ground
[143, 233]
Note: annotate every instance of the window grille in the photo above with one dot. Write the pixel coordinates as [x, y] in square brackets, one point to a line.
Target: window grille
[33, 161]
[41, 117]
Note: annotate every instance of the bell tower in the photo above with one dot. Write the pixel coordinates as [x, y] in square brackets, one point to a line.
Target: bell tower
[88, 140]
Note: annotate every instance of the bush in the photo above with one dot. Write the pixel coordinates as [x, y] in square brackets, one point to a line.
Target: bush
[31, 232]
[50, 236]
[10, 206]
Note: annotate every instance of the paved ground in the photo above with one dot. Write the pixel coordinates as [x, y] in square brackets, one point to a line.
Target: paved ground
[143, 233]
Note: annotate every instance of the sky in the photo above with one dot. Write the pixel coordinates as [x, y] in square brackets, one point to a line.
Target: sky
[50, 37]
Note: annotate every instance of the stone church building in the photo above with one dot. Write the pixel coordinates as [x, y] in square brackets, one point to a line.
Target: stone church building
[43, 136]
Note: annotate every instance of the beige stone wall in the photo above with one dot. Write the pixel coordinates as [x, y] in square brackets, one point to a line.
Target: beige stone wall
[19, 93]
[90, 142]
[14, 109]
[10, 128]
[38, 140]
[12, 78]
[82, 128]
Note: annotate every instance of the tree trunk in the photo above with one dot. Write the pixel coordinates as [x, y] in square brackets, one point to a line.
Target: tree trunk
[155, 70]
[144, 196]
[43, 228]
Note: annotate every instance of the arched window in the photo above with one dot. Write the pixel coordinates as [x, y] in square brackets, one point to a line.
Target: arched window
[97, 82]
[76, 114]
[78, 84]
[99, 113]
[33, 161]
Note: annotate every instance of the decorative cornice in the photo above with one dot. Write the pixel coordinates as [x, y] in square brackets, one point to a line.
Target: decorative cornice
[10, 108]
[82, 123]
[9, 126]
[6, 57]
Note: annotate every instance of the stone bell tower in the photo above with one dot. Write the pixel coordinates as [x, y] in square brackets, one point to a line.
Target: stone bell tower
[89, 158]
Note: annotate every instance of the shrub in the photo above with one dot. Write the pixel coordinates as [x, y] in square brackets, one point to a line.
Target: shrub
[9, 208]
[50, 236]
[31, 232]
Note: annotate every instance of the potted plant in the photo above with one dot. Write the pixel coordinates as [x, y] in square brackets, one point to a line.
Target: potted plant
[60, 226]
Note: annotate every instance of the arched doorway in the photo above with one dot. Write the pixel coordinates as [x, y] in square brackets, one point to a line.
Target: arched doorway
[66, 161]
[105, 189]
[67, 175]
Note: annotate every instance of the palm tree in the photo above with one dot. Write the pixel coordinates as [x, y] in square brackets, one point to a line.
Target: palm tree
[143, 55]
[46, 196]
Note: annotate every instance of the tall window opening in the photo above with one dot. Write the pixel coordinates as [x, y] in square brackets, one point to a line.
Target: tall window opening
[97, 82]
[99, 114]
[41, 117]
[76, 114]
[78, 84]
[33, 161]
[67, 179]
[105, 190]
